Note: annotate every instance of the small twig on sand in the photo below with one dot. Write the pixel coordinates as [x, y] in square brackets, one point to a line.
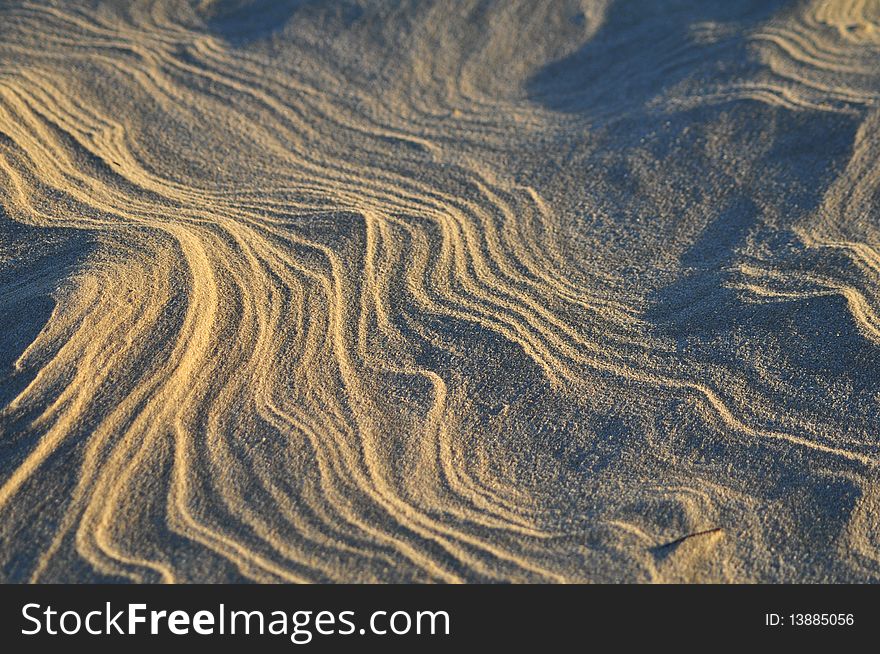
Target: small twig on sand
[678, 541]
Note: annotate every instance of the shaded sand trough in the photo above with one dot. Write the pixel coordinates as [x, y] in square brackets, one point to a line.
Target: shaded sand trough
[439, 291]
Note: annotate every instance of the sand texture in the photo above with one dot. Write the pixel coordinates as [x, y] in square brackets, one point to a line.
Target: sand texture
[450, 291]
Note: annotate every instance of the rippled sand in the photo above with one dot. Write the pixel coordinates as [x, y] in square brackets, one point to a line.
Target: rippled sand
[440, 291]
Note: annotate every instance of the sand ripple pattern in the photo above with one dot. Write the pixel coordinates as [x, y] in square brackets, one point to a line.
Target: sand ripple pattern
[414, 291]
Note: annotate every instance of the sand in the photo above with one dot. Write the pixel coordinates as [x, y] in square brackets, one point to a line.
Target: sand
[532, 291]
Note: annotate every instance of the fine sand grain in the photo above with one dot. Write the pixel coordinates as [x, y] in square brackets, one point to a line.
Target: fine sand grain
[509, 290]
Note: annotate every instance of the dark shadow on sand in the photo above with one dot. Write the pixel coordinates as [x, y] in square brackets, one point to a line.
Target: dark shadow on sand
[34, 261]
[241, 22]
[630, 59]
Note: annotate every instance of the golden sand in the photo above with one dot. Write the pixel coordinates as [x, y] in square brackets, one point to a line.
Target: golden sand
[439, 291]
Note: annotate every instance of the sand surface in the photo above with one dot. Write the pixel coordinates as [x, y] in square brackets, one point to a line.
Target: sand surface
[473, 291]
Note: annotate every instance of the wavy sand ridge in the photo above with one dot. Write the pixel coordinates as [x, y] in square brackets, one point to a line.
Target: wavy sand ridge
[438, 291]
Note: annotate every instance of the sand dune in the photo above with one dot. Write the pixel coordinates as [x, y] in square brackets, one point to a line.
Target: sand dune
[439, 291]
